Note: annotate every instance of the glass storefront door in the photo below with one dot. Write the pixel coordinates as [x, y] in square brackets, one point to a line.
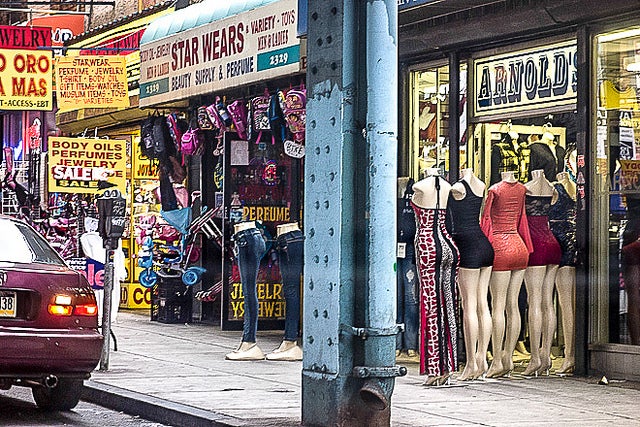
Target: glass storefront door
[616, 186]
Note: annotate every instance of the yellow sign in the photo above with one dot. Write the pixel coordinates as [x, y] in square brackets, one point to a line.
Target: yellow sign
[271, 304]
[133, 295]
[25, 80]
[77, 165]
[143, 168]
[91, 82]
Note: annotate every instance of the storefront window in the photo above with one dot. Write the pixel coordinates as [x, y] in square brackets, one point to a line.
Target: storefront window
[429, 142]
[616, 154]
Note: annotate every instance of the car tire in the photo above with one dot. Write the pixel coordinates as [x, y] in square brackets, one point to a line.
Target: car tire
[63, 397]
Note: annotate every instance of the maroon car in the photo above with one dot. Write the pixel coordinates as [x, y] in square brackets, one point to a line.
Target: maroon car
[49, 337]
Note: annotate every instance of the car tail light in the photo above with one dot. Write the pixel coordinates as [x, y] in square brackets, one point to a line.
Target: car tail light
[63, 306]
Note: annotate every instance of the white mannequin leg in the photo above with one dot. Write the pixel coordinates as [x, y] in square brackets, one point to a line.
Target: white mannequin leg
[468, 283]
[533, 278]
[513, 319]
[566, 285]
[549, 320]
[499, 285]
[484, 320]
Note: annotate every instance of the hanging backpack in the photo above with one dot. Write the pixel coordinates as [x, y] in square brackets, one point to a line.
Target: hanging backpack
[276, 118]
[146, 137]
[238, 112]
[177, 127]
[258, 116]
[204, 122]
[192, 141]
[295, 113]
[162, 142]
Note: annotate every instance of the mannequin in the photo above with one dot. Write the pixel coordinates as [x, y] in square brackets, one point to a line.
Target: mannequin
[436, 261]
[540, 275]
[408, 300]
[505, 224]
[562, 220]
[476, 260]
[290, 242]
[547, 155]
[249, 248]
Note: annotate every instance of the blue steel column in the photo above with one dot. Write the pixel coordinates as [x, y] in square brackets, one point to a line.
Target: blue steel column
[349, 214]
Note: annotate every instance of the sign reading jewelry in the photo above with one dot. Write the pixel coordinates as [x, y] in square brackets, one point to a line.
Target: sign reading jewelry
[91, 82]
[523, 80]
[25, 68]
[77, 165]
[256, 45]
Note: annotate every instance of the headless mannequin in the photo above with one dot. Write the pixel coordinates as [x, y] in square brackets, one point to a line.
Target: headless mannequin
[505, 288]
[566, 286]
[539, 281]
[427, 196]
[244, 226]
[289, 349]
[474, 288]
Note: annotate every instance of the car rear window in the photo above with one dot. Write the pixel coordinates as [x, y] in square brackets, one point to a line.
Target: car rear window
[20, 243]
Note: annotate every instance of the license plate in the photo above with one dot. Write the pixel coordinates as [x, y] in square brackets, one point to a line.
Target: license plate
[7, 304]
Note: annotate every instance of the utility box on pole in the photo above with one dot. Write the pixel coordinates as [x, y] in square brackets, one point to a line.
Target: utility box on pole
[350, 214]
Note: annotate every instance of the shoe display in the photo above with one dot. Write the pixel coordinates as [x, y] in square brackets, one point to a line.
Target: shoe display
[246, 351]
[288, 351]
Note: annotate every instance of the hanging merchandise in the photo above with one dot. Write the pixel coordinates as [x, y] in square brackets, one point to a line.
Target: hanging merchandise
[162, 146]
[276, 118]
[223, 113]
[177, 128]
[204, 122]
[258, 116]
[270, 173]
[146, 137]
[295, 114]
[192, 141]
[238, 111]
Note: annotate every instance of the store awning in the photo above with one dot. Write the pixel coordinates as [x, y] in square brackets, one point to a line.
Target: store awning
[196, 15]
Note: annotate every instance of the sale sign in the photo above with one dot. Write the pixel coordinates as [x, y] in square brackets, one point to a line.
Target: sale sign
[92, 82]
[25, 69]
[77, 165]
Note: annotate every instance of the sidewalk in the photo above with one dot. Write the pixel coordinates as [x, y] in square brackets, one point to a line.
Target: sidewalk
[177, 375]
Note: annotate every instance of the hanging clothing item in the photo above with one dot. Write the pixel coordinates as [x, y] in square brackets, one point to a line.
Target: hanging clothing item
[437, 262]
[505, 224]
[543, 158]
[475, 249]
[546, 249]
[562, 220]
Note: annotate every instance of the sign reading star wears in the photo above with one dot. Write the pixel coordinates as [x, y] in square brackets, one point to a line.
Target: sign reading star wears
[25, 69]
[92, 82]
[77, 165]
[256, 45]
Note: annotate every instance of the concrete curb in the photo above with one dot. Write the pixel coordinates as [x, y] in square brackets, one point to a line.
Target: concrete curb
[154, 409]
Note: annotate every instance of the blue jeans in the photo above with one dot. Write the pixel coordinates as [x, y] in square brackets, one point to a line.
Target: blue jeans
[408, 300]
[249, 249]
[290, 251]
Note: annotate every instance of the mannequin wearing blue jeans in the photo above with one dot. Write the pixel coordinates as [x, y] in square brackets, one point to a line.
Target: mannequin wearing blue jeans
[290, 244]
[249, 249]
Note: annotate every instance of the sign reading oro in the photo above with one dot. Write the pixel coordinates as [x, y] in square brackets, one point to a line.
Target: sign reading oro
[25, 69]
[256, 45]
[77, 165]
[91, 82]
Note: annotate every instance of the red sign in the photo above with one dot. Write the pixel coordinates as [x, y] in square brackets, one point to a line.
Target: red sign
[120, 45]
[12, 37]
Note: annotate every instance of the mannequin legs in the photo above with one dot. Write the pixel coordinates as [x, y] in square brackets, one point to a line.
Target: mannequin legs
[474, 285]
[566, 286]
[540, 281]
[504, 287]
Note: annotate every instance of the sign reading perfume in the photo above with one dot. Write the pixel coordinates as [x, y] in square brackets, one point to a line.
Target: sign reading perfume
[92, 82]
[25, 69]
[256, 45]
[524, 80]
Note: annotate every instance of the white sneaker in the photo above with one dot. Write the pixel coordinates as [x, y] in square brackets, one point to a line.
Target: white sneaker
[246, 351]
[288, 351]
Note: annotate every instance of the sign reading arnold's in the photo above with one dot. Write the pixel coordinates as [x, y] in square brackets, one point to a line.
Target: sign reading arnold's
[255, 45]
[524, 80]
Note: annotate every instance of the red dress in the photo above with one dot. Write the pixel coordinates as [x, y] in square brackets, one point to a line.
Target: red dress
[504, 222]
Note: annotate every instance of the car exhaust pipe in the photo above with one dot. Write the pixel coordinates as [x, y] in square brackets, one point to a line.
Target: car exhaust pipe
[51, 381]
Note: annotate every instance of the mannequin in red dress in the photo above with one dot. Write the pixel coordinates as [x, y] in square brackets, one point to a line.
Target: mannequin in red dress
[505, 224]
